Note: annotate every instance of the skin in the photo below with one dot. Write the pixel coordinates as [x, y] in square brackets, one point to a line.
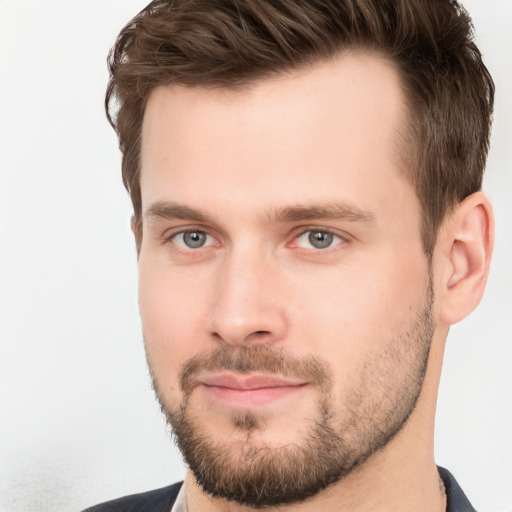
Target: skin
[326, 135]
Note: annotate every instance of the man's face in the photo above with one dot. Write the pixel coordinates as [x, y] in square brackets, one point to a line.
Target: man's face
[284, 292]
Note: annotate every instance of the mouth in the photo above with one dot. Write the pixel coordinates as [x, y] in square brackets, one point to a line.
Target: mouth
[245, 391]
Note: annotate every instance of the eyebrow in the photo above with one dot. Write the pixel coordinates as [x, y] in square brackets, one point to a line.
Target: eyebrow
[331, 211]
[171, 211]
[295, 213]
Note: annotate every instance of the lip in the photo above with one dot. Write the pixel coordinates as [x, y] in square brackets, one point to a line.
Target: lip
[243, 391]
[247, 382]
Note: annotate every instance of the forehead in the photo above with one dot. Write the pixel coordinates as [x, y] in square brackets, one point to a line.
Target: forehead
[332, 124]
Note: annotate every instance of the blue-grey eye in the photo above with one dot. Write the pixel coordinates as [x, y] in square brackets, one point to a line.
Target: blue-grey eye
[194, 239]
[318, 239]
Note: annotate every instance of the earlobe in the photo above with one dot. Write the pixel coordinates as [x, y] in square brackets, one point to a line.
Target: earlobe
[468, 238]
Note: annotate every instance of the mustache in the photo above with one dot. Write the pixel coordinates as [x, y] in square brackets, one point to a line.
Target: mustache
[258, 358]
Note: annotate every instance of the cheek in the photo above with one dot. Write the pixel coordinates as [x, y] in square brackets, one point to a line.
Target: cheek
[350, 314]
[172, 308]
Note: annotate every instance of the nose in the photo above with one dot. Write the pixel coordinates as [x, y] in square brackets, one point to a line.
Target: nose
[247, 308]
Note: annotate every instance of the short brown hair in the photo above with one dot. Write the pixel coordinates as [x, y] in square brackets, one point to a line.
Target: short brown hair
[231, 43]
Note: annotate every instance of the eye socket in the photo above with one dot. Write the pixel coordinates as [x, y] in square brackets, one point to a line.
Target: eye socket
[192, 239]
[318, 239]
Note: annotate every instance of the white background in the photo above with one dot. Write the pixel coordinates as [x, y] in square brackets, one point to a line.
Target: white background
[78, 421]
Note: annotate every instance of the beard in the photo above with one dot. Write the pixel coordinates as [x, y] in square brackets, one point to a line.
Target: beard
[339, 438]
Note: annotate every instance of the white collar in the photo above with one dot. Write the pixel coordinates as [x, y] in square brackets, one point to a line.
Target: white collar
[180, 505]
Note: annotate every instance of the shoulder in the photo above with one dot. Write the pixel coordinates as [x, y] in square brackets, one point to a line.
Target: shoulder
[158, 500]
[456, 500]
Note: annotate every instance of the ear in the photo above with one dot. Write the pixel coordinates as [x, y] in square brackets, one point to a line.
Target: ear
[464, 250]
[136, 227]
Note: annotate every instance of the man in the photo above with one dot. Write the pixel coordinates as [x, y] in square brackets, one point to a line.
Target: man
[306, 179]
